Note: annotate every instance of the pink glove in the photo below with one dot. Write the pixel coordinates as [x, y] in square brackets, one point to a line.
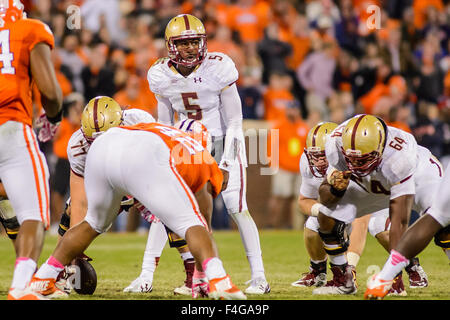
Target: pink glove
[47, 130]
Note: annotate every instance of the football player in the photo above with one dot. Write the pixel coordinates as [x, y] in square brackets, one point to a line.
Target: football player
[157, 236]
[389, 170]
[435, 223]
[199, 85]
[313, 167]
[142, 160]
[25, 55]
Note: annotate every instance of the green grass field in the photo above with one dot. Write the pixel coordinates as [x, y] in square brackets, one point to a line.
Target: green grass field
[118, 258]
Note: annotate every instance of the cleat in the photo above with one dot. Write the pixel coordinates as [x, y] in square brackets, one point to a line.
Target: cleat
[343, 282]
[200, 288]
[397, 289]
[377, 288]
[47, 288]
[141, 285]
[186, 288]
[24, 294]
[417, 276]
[63, 282]
[313, 278]
[258, 286]
[183, 290]
[224, 289]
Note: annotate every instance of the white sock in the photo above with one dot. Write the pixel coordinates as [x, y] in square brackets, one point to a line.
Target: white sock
[186, 255]
[353, 258]
[23, 272]
[395, 263]
[49, 269]
[157, 238]
[250, 239]
[213, 268]
[339, 259]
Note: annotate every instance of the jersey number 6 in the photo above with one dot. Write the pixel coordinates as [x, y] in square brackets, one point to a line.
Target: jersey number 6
[193, 110]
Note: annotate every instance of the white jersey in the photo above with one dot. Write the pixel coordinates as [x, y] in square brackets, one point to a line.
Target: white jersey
[78, 146]
[310, 183]
[196, 96]
[406, 168]
[393, 175]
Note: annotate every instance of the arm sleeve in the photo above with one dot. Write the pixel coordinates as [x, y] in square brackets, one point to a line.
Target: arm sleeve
[232, 115]
[165, 110]
[41, 33]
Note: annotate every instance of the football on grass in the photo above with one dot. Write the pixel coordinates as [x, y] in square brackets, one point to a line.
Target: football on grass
[85, 281]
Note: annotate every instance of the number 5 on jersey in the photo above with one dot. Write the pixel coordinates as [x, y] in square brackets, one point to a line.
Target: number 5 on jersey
[193, 110]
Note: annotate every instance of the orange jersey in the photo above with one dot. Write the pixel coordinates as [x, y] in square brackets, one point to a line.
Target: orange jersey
[193, 162]
[17, 40]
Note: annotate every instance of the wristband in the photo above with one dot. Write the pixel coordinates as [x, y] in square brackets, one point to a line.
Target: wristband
[337, 193]
[55, 119]
[315, 209]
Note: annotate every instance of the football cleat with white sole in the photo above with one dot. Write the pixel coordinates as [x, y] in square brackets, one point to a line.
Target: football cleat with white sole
[417, 276]
[224, 289]
[141, 285]
[183, 290]
[314, 278]
[377, 288]
[343, 282]
[397, 288]
[47, 288]
[257, 286]
[24, 294]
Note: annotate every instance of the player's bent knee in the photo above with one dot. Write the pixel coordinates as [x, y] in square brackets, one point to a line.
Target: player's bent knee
[442, 238]
[338, 238]
[175, 241]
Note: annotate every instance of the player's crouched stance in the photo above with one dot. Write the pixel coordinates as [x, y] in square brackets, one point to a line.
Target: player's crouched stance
[141, 161]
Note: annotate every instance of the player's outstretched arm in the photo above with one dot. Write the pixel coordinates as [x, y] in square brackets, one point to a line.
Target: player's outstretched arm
[43, 73]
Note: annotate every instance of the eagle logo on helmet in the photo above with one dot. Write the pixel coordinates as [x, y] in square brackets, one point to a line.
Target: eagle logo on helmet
[100, 114]
[315, 148]
[182, 27]
[363, 141]
[198, 131]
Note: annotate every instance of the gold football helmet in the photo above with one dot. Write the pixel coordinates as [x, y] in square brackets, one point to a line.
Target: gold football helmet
[363, 141]
[315, 148]
[100, 114]
[181, 27]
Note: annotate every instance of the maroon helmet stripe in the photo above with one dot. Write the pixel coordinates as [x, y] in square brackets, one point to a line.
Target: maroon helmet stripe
[186, 22]
[313, 142]
[97, 129]
[355, 128]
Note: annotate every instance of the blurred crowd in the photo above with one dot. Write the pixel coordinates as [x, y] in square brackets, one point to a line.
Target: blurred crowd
[300, 62]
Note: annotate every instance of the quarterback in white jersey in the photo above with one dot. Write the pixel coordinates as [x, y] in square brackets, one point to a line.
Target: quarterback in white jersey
[389, 170]
[199, 85]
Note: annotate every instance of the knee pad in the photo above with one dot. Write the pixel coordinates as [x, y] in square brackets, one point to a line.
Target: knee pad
[338, 234]
[174, 240]
[442, 238]
[8, 219]
[11, 226]
[64, 223]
